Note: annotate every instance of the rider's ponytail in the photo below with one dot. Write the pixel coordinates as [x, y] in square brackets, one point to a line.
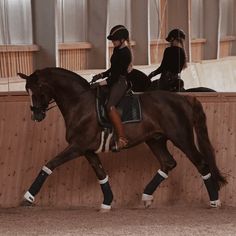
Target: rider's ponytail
[130, 68]
[185, 54]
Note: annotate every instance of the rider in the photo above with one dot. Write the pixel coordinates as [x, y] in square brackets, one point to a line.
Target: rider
[174, 60]
[117, 79]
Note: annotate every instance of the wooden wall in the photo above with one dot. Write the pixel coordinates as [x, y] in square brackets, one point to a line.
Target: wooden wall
[19, 58]
[16, 58]
[197, 49]
[157, 48]
[74, 56]
[96, 54]
[26, 146]
[226, 44]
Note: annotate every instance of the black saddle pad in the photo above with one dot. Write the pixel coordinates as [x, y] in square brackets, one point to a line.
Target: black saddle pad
[129, 108]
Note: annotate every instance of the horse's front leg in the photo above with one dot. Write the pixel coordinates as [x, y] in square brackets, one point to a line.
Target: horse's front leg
[68, 154]
[158, 147]
[96, 164]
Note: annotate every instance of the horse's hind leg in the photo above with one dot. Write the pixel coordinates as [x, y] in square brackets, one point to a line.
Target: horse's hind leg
[68, 154]
[94, 161]
[189, 148]
[159, 148]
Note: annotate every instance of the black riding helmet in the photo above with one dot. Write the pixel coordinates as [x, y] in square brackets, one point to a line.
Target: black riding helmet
[175, 34]
[118, 32]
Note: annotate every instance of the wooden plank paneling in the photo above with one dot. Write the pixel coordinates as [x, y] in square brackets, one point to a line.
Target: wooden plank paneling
[26, 146]
[226, 46]
[197, 47]
[74, 56]
[19, 58]
[157, 48]
[16, 58]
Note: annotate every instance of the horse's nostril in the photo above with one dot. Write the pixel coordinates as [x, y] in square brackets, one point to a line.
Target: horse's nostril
[38, 116]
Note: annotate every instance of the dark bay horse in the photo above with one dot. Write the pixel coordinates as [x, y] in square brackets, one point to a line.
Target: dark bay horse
[141, 83]
[165, 116]
[179, 87]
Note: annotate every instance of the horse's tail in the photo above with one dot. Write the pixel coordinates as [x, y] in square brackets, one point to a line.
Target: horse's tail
[204, 143]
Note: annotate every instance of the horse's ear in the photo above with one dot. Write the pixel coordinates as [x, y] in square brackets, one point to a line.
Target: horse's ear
[23, 76]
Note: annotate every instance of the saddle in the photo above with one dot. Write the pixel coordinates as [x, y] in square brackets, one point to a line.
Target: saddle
[129, 108]
[169, 82]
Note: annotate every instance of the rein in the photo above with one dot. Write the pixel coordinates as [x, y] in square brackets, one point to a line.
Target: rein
[49, 108]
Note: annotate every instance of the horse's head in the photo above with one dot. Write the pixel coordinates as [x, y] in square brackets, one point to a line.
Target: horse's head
[40, 95]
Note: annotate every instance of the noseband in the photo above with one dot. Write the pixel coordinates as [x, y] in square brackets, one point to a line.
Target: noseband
[42, 109]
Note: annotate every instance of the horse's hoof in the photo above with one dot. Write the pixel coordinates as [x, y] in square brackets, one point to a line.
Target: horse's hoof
[101, 210]
[147, 203]
[147, 200]
[215, 204]
[105, 208]
[25, 203]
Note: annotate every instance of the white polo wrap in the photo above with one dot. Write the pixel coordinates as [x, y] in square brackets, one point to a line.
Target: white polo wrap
[47, 170]
[106, 207]
[205, 177]
[216, 203]
[103, 181]
[147, 197]
[163, 174]
[29, 197]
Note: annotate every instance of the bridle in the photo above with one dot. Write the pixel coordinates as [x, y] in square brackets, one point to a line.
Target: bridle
[52, 101]
[42, 109]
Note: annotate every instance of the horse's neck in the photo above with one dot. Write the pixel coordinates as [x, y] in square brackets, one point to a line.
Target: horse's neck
[71, 96]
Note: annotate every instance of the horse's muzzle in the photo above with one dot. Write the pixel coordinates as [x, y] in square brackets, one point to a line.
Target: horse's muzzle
[38, 116]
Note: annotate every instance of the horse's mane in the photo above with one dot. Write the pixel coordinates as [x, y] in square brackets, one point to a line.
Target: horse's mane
[69, 74]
